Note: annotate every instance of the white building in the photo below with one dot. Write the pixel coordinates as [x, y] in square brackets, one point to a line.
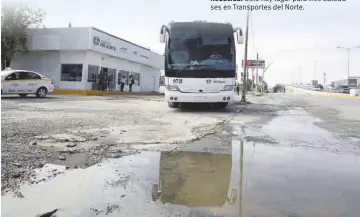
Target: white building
[73, 57]
[351, 82]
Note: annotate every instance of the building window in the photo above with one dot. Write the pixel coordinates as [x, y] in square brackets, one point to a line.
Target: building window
[136, 77]
[352, 82]
[93, 72]
[71, 72]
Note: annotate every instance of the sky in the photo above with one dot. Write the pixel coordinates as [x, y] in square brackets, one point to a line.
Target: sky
[299, 45]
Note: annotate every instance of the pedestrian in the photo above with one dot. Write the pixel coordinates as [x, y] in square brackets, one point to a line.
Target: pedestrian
[110, 83]
[105, 86]
[101, 80]
[237, 88]
[122, 83]
[131, 82]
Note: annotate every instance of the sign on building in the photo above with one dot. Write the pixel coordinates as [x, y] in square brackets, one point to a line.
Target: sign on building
[254, 64]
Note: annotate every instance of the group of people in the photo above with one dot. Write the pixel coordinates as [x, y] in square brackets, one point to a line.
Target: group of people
[123, 82]
[108, 83]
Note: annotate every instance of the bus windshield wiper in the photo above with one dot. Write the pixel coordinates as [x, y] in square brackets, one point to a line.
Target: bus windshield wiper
[195, 66]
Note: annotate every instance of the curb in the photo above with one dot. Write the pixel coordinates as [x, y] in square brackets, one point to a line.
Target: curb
[99, 92]
[295, 90]
[336, 95]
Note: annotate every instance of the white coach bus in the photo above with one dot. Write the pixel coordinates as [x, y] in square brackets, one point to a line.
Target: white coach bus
[200, 62]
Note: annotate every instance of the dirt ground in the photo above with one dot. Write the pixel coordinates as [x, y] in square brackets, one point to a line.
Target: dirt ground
[78, 131]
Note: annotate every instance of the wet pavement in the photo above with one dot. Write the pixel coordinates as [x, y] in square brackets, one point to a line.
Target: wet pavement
[286, 167]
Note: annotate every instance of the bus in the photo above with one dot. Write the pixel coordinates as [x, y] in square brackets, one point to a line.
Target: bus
[200, 62]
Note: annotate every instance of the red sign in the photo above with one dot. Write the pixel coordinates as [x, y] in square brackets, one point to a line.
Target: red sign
[254, 63]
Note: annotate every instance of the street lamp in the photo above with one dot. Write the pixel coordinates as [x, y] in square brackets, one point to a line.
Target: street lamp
[348, 50]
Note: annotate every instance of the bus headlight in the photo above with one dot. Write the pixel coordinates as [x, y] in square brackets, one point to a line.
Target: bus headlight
[172, 88]
[228, 88]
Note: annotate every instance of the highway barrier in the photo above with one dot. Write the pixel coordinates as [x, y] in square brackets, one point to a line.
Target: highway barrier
[354, 93]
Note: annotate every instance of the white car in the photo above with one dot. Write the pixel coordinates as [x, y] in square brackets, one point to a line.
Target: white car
[316, 88]
[25, 82]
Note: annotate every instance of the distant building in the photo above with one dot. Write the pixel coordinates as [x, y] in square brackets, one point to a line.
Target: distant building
[352, 82]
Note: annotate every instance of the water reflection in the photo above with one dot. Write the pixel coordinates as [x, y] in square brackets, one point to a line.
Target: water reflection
[207, 178]
[204, 180]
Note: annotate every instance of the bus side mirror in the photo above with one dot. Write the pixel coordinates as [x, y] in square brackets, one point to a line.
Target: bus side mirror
[162, 33]
[162, 38]
[239, 36]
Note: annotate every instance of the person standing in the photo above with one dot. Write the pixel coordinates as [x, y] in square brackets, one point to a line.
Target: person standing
[110, 82]
[237, 87]
[105, 86]
[101, 80]
[122, 83]
[131, 82]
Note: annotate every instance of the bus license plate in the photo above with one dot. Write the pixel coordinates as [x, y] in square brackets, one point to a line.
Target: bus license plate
[200, 97]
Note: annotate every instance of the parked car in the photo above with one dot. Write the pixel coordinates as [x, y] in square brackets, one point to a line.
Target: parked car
[315, 88]
[24, 82]
[343, 89]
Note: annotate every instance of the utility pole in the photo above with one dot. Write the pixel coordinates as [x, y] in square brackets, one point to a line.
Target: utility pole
[257, 70]
[324, 79]
[243, 94]
[252, 79]
[315, 64]
[348, 50]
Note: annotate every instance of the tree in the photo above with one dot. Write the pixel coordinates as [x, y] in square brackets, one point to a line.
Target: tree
[15, 19]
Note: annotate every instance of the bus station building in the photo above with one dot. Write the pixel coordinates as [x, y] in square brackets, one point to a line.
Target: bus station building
[78, 58]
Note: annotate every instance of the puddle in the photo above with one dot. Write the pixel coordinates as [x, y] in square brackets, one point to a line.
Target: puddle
[204, 178]
[81, 160]
[297, 128]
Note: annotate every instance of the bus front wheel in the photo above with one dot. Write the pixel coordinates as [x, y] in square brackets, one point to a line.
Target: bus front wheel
[173, 104]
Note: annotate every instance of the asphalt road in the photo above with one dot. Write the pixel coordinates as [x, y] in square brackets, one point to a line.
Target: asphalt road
[282, 155]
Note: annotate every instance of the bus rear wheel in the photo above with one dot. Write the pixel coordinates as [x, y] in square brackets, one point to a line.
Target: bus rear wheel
[173, 104]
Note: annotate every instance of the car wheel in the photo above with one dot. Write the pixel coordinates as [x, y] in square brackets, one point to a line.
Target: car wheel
[173, 104]
[23, 95]
[41, 92]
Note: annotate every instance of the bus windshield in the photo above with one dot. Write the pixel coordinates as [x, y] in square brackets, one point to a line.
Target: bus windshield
[212, 50]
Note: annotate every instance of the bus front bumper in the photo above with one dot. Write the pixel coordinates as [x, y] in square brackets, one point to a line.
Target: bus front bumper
[176, 96]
